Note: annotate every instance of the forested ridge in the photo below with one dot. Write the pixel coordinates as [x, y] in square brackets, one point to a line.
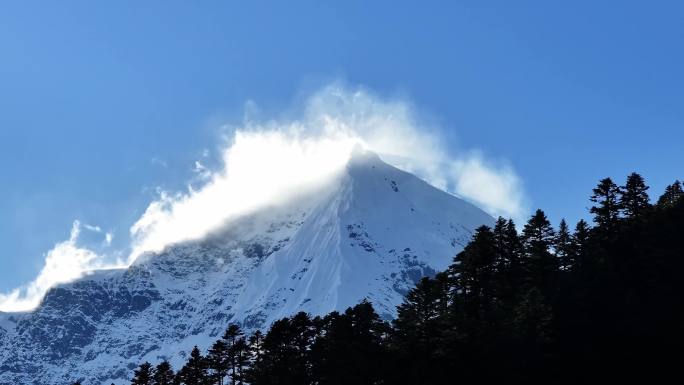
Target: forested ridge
[600, 302]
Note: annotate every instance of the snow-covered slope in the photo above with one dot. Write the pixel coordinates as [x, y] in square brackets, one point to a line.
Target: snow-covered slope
[372, 233]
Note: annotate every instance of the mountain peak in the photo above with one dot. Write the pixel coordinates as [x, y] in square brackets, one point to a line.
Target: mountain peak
[371, 235]
[361, 158]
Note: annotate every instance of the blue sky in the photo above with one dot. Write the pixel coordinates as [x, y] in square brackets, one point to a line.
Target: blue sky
[103, 102]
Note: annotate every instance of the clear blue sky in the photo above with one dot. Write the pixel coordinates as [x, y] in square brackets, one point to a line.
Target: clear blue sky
[91, 92]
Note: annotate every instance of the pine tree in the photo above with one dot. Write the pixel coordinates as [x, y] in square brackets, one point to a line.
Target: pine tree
[607, 209]
[580, 244]
[255, 352]
[240, 352]
[233, 332]
[499, 231]
[507, 243]
[143, 375]
[195, 370]
[563, 246]
[282, 360]
[231, 336]
[163, 374]
[304, 334]
[349, 349]
[419, 314]
[419, 328]
[475, 272]
[256, 348]
[673, 194]
[513, 243]
[634, 198]
[538, 235]
[540, 265]
[218, 361]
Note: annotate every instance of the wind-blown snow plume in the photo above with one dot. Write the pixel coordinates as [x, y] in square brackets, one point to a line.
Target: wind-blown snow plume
[66, 262]
[261, 168]
[269, 162]
[392, 129]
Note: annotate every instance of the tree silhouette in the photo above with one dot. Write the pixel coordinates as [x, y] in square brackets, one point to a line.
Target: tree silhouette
[673, 194]
[218, 361]
[564, 246]
[606, 210]
[540, 265]
[634, 198]
[231, 337]
[143, 375]
[195, 370]
[163, 374]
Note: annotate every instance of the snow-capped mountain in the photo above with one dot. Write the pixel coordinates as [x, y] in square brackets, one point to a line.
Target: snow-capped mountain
[372, 233]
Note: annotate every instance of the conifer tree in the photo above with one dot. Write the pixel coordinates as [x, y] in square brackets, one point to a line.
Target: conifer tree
[475, 272]
[513, 243]
[255, 351]
[510, 275]
[580, 244]
[500, 241]
[606, 196]
[218, 361]
[540, 265]
[508, 247]
[634, 198]
[349, 348]
[195, 370]
[143, 375]
[281, 358]
[419, 328]
[233, 332]
[303, 337]
[231, 336]
[419, 313]
[538, 235]
[256, 347]
[673, 194]
[163, 374]
[240, 352]
[563, 246]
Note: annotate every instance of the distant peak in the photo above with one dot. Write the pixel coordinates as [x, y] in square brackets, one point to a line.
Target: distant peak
[360, 156]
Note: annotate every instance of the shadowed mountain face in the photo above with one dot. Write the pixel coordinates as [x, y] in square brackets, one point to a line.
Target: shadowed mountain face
[372, 233]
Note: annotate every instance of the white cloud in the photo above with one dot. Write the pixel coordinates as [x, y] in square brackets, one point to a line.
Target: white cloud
[260, 168]
[270, 161]
[392, 129]
[95, 229]
[497, 190]
[109, 236]
[64, 263]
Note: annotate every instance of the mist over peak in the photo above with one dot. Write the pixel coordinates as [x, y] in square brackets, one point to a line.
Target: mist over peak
[272, 161]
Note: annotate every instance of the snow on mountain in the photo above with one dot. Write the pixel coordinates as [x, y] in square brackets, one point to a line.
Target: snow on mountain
[372, 234]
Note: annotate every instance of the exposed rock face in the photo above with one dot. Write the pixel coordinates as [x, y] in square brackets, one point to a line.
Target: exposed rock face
[371, 234]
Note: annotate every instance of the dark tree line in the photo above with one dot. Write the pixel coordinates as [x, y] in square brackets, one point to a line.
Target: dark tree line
[339, 348]
[540, 305]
